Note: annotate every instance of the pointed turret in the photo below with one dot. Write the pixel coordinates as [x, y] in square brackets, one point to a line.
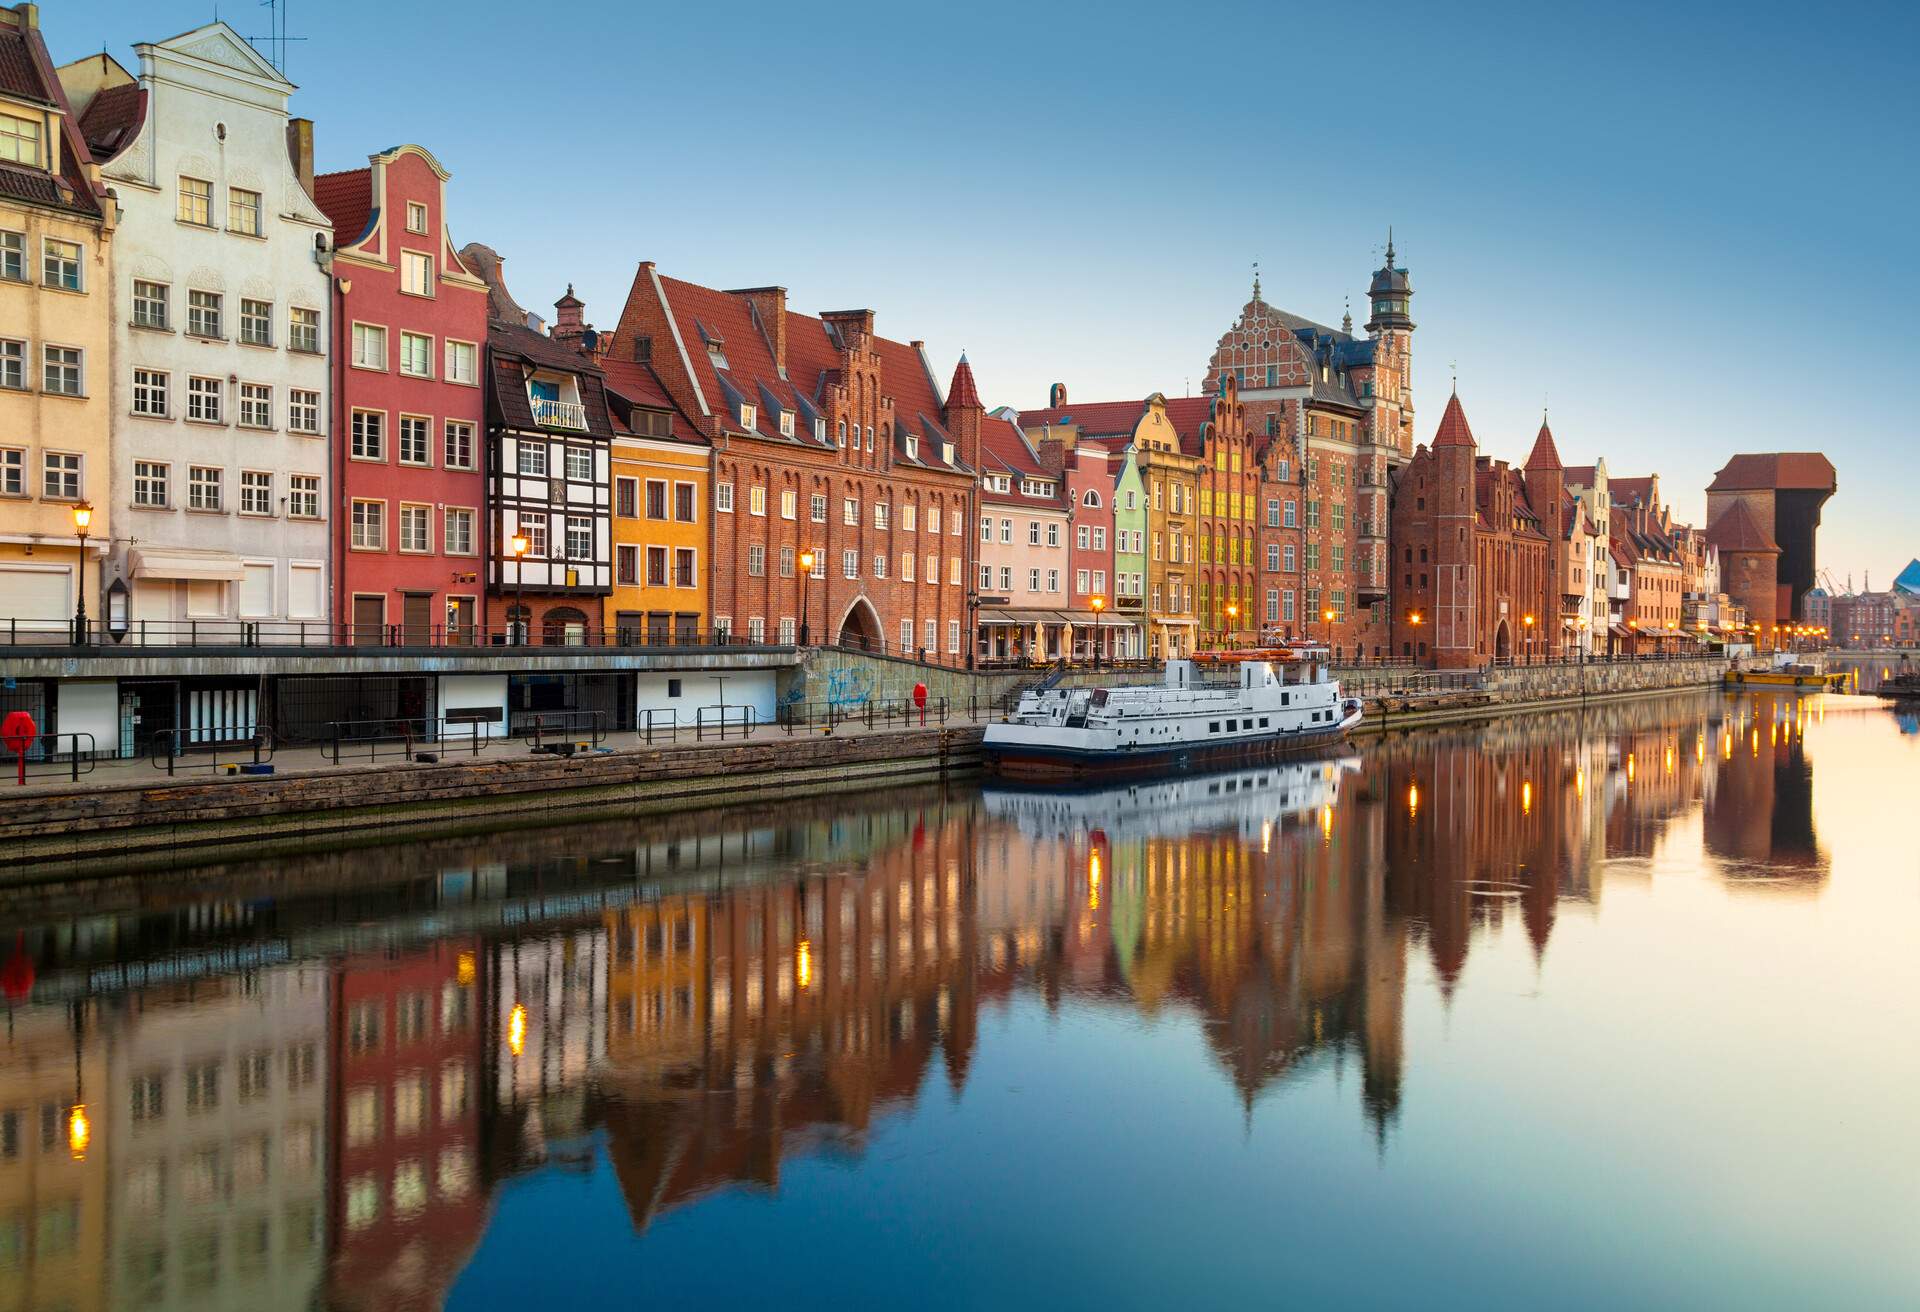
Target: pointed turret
[965, 415]
[1389, 292]
[1545, 454]
[1453, 425]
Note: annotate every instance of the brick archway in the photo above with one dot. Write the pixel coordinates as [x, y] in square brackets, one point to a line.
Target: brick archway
[860, 627]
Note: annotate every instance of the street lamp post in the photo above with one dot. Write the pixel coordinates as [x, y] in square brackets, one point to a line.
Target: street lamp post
[1099, 604]
[1527, 621]
[1233, 625]
[806, 577]
[1327, 617]
[517, 626]
[82, 520]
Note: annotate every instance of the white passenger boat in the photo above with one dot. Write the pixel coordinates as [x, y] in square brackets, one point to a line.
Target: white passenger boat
[1216, 709]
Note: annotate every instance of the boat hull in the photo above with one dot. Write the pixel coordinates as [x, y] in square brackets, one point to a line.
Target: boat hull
[1052, 764]
[1768, 679]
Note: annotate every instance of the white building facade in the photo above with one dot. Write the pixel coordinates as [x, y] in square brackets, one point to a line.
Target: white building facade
[221, 342]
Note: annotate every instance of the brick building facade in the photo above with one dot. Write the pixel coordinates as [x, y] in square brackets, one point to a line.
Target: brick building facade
[827, 438]
[1334, 412]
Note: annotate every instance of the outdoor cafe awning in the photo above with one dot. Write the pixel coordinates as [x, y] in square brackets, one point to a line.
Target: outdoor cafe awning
[186, 563]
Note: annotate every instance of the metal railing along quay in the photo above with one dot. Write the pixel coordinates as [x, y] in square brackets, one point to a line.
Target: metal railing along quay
[103, 639]
[174, 750]
[41, 757]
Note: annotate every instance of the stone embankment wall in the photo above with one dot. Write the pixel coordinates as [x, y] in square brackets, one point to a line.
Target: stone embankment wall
[48, 834]
[1599, 678]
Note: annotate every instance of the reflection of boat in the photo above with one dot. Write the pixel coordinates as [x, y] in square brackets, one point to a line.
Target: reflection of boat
[1271, 705]
[1787, 670]
[1901, 687]
[1242, 799]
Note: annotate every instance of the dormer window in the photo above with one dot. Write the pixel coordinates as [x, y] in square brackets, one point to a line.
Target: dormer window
[19, 140]
[554, 403]
[749, 415]
[946, 453]
[820, 431]
[998, 483]
[913, 446]
[717, 352]
[786, 423]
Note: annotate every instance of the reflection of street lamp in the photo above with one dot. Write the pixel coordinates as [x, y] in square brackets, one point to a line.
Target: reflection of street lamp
[79, 1132]
[517, 1029]
[519, 544]
[1099, 604]
[806, 577]
[82, 519]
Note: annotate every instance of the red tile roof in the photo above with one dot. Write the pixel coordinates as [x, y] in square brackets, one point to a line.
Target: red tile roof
[26, 72]
[113, 118]
[1626, 491]
[1453, 425]
[1545, 454]
[963, 392]
[1578, 475]
[1738, 529]
[1778, 470]
[346, 198]
[1189, 415]
[19, 72]
[1004, 450]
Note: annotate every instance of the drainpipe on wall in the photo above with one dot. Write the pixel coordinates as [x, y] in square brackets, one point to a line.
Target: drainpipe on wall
[342, 506]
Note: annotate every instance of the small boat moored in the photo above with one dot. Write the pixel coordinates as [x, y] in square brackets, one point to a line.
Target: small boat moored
[1217, 708]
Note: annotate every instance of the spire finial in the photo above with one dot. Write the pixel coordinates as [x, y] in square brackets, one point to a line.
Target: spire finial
[1389, 247]
[1453, 367]
[1346, 320]
[1256, 280]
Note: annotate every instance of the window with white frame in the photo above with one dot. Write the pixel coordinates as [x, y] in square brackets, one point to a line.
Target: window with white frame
[532, 459]
[817, 508]
[953, 571]
[256, 492]
[986, 577]
[416, 527]
[13, 364]
[457, 450]
[1006, 532]
[415, 440]
[1081, 580]
[60, 264]
[580, 464]
[685, 570]
[150, 303]
[150, 479]
[756, 628]
[13, 471]
[757, 499]
[1033, 580]
[369, 522]
[789, 503]
[60, 475]
[456, 531]
[1006, 578]
[150, 387]
[416, 273]
[881, 514]
[243, 211]
[195, 202]
[416, 217]
[203, 400]
[303, 410]
[1033, 532]
[579, 537]
[850, 511]
[416, 355]
[906, 635]
[1053, 580]
[256, 322]
[13, 256]
[303, 330]
[462, 362]
[756, 559]
[880, 565]
[786, 631]
[62, 374]
[909, 517]
[256, 405]
[626, 564]
[953, 637]
[369, 346]
[303, 496]
[368, 435]
[204, 488]
[20, 140]
[906, 567]
[786, 423]
[850, 563]
[723, 498]
[203, 313]
[534, 530]
[749, 415]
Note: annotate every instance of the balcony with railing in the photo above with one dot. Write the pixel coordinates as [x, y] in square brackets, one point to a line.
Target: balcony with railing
[558, 414]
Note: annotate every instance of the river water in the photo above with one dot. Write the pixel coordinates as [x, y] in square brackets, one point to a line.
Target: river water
[1603, 1009]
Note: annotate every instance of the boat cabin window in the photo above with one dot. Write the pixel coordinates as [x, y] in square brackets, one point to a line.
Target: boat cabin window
[1213, 727]
[1263, 722]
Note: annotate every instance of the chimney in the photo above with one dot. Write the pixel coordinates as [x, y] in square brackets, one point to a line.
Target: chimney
[854, 326]
[1052, 450]
[300, 150]
[568, 326]
[770, 314]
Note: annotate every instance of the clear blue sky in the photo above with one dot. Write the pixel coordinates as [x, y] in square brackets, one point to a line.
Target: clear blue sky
[1687, 228]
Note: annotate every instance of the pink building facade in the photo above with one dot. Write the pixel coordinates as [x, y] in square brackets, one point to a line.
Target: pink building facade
[409, 414]
[1024, 614]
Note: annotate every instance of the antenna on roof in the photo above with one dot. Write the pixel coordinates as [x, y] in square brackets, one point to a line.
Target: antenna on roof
[276, 38]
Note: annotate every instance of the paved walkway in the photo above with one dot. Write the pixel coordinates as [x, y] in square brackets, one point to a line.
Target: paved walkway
[199, 766]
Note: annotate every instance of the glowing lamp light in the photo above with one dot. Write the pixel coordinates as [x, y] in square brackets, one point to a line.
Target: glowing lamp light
[518, 544]
[806, 562]
[1326, 823]
[517, 1029]
[1413, 799]
[79, 1131]
[83, 516]
[1629, 767]
[1526, 797]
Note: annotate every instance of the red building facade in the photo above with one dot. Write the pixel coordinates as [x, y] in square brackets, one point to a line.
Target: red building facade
[1477, 583]
[410, 322]
[829, 439]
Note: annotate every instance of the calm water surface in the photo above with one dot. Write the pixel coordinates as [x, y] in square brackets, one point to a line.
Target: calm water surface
[1614, 1009]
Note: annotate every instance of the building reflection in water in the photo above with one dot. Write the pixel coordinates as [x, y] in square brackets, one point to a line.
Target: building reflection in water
[290, 1098]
